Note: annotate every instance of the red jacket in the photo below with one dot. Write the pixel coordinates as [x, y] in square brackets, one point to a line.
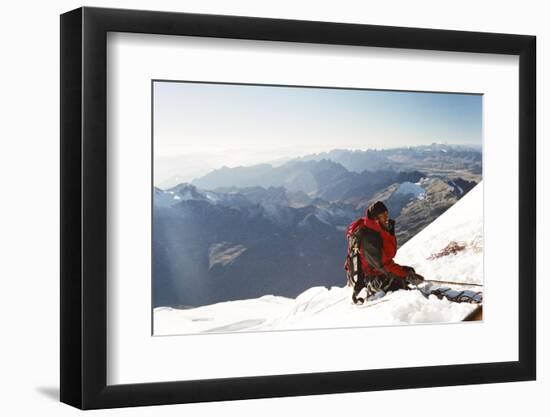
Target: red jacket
[381, 245]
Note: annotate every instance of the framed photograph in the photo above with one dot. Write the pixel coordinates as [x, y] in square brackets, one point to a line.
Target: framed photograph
[256, 207]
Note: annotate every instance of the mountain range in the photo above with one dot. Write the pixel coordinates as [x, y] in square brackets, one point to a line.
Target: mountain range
[244, 232]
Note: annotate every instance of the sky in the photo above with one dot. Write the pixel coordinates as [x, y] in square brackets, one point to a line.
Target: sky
[203, 126]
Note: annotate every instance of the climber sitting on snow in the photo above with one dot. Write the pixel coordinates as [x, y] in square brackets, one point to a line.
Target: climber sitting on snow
[371, 248]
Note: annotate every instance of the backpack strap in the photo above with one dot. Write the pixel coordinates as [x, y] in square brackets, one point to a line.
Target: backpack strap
[353, 260]
[353, 267]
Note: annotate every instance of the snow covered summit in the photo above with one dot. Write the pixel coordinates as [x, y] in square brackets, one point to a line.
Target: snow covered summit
[449, 249]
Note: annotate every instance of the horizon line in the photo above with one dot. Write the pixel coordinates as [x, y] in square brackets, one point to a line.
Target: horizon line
[475, 147]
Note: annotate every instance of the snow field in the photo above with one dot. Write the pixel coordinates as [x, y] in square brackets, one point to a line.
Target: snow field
[316, 308]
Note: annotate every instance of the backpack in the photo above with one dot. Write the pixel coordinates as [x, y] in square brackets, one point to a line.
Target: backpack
[352, 264]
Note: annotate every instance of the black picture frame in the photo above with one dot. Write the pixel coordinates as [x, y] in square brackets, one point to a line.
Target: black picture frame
[84, 179]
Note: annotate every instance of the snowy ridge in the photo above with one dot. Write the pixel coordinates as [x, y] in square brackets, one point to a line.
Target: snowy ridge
[316, 308]
[449, 249]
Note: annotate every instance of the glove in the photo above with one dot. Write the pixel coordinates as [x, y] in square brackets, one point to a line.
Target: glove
[413, 278]
[409, 269]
